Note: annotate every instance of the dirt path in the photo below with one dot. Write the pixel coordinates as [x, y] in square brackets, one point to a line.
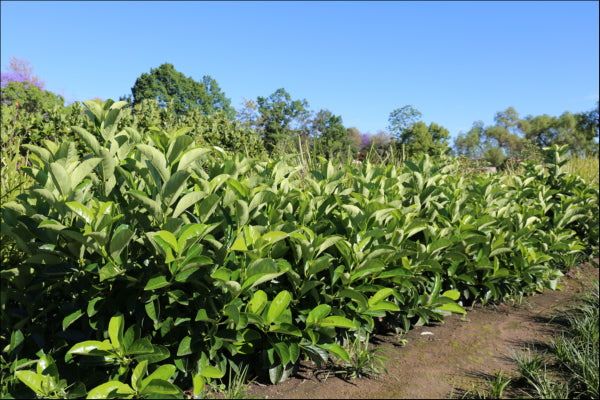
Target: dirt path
[459, 353]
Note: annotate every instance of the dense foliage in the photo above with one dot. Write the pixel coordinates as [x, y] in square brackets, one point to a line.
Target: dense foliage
[155, 264]
[166, 84]
[512, 136]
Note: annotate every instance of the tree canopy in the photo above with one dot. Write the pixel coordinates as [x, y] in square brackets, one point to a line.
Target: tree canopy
[280, 117]
[167, 84]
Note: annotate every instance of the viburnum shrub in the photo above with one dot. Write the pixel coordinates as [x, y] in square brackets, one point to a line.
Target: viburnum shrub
[224, 260]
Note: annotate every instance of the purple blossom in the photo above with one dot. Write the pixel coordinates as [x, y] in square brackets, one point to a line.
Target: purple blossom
[366, 140]
[6, 77]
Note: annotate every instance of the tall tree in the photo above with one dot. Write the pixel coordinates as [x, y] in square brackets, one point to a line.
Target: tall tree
[355, 138]
[420, 138]
[281, 117]
[469, 144]
[20, 86]
[332, 134]
[401, 120]
[248, 115]
[167, 84]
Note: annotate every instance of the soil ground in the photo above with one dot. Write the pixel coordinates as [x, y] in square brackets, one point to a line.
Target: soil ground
[460, 353]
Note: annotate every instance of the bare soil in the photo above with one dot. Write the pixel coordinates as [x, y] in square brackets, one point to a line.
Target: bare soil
[460, 353]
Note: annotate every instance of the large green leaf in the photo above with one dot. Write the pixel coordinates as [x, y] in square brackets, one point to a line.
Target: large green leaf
[88, 139]
[83, 170]
[116, 327]
[207, 207]
[188, 200]
[120, 240]
[190, 157]
[174, 186]
[61, 179]
[69, 319]
[164, 373]
[32, 380]
[157, 282]
[157, 159]
[114, 389]
[380, 295]
[81, 211]
[278, 305]
[158, 354]
[151, 205]
[209, 371]
[138, 374]
[258, 302]
[88, 347]
[318, 313]
[337, 321]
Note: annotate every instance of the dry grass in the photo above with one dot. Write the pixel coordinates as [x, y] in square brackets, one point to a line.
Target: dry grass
[586, 168]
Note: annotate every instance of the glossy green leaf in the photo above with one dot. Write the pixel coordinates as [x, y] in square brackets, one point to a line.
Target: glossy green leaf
[164, 372]
[336, 350]
[452, 294]
[452, 307]
[191, 156]
[211, 372]
[157, 282]
[116, 327]
[81, 211]
[199, 382]
[69, 319]
[83, 170]
[88, 347]
[258, 302]
[170, 239]
[184, 347]
[337, 321]
[32, 380]
[278, 305]
[380, 295]
[160, 388]
[120, 239]
[138, 374]
[112, 389]
[178, 146]
[158, 354]
[61, 179]
[318, 313]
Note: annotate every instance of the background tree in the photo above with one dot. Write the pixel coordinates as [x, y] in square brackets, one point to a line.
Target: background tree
[469, 144]
[587, 123]
[20, 87]
[166, 84]
[355, 138]
[422, 139]
[401, 120]
[19, 70]
[281, 117]
[332, 134]
[248, 116]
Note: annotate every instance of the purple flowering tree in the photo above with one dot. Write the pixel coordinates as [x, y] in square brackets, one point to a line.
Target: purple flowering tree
[366, 141]
[20, 71]
[6, 77]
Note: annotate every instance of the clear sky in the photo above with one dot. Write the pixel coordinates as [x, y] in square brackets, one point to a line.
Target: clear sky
[456, 62]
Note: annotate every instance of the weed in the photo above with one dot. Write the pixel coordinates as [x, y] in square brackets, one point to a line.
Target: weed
[498, 384]
[364, 361]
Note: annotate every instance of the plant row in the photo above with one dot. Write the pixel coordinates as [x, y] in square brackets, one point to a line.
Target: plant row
[152, 256]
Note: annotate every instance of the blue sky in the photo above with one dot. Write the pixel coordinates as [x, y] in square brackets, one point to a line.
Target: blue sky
[456, 62]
